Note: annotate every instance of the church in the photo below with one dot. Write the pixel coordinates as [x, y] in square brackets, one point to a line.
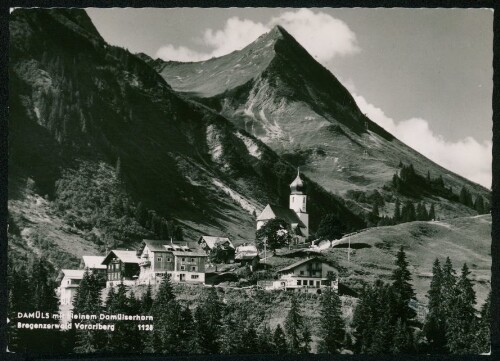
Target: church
[296, 215]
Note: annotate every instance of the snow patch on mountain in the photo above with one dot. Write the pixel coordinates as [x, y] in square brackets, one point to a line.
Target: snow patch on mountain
[250, 144]
[245, 203]
[214, 143]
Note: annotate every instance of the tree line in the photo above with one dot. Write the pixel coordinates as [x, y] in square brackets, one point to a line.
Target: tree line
[92, 196]
[385, 322]
[212, 327]
[408, 182]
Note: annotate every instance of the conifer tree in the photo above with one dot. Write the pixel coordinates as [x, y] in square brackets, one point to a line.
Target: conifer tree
[265, 341]
[422, 214]
[187, 331]
[432, 213]
[166, 312]
[402, 341]
[208, 323]
[402, 288]
[251, 344]
[19, 301]
[306, 339]
[484, 332]
[397, 211]
[449, 280]
[147, 300]
[329, 227]
[294, 327]
[462, 324]
[479, 205]
[110, 299]
[125, 336]
[88, 301]
[279, 341]
[232, 331]
[331, 322]
[382, 337]
[435, 323]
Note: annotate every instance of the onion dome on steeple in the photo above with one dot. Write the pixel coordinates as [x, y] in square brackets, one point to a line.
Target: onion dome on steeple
[297, 186]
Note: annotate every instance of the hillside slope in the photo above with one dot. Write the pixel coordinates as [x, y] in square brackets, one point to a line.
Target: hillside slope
[118, 155]
[464, 240]
[276, 91]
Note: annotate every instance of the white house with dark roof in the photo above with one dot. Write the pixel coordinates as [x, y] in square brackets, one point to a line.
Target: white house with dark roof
[69, 282]
[296, 215]
[306, 275]
[184, 261]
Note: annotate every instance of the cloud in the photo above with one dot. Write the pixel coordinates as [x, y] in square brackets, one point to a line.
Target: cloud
[237, 34]
[322, 35]
[180, 53]
[467, 157]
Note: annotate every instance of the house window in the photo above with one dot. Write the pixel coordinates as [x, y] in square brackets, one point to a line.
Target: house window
[159, 259]
[193, 268]
[192, 259]
[194, 277]
[183, 259]
[303, 201]
[311, 283]
[169, 259]
[301, 273]
[299, 282]
[183, 268]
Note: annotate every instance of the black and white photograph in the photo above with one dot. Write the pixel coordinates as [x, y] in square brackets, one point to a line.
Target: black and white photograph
[249, 181]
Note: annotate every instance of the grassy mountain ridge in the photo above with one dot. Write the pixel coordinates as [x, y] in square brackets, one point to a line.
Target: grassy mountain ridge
[464, 240]
[84, 113]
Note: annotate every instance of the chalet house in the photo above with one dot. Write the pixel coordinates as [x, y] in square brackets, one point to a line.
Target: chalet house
[307, 275]
[209, 243]
[94, 264]
[184, 261]
[247, 254]
[295, 215]
[121, 266]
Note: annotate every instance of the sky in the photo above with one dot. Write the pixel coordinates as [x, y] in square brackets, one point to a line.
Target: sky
[425, 75]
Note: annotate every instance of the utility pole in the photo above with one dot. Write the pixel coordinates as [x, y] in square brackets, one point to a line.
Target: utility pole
[265, 249]
[349, 251]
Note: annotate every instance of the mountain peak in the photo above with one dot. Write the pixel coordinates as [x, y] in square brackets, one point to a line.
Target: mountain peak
[278, 32]
[278, 29]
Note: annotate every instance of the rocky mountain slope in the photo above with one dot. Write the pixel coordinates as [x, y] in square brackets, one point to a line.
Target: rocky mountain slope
[276, 91]
[113, 154]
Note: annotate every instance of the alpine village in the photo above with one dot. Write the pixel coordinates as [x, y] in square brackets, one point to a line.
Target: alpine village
[239, 205]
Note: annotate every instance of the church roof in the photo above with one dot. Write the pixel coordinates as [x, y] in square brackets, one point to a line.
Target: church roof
[273, 211]
[297, 186]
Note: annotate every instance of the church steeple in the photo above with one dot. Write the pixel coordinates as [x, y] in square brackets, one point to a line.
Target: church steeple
[298, 201]
[297, 186]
